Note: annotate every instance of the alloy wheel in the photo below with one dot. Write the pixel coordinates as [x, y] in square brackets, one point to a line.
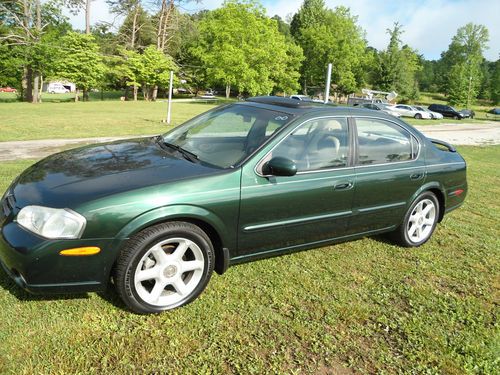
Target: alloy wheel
[421, 221]
[169, 272]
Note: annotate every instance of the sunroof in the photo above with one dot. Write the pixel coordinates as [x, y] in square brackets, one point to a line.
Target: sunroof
[284, 102]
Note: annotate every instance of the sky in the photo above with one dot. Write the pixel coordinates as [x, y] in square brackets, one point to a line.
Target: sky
[428, 25]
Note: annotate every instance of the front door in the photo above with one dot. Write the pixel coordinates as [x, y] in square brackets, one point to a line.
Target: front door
[279, 213]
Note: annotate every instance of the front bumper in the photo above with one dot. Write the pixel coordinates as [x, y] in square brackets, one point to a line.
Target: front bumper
[35, 265]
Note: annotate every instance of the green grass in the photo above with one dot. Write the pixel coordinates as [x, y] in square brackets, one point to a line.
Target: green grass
[25, 121]
[362, 307]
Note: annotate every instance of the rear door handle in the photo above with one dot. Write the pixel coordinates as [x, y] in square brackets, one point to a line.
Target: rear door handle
[344, 186]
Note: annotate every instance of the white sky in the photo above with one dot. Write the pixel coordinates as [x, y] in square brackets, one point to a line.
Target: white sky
[428, 25]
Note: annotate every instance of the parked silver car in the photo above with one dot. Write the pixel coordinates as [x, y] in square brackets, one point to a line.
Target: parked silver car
[409, 111]
[435, 115]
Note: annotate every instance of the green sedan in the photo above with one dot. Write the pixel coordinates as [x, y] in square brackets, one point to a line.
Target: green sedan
[265, 177]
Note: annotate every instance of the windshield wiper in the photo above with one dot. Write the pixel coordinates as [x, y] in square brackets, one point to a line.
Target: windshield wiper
[191, 156]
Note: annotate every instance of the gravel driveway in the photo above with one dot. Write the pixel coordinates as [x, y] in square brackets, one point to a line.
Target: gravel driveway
[487, 133]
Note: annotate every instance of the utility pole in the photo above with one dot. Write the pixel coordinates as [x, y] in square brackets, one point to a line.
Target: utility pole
[328, 80]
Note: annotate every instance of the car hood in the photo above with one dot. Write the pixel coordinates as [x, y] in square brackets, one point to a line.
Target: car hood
[80, 175]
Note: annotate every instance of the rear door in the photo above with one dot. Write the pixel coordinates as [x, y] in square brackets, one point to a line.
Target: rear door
[388, 173]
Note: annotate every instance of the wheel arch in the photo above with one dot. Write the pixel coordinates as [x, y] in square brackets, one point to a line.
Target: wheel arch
[438, 191]
[207, 221]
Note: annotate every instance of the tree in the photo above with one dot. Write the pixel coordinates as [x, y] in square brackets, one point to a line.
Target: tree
[397, 67]
[338, 40]
[79, 61]
[25, 25]
[136, 31]
[427, 76]
[76, 6]
[240, 46]
[464, 57]
[495, 83]
[310, 14]
[155, 71]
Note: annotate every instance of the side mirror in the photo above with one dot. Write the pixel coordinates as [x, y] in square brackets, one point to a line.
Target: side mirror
[280, 166]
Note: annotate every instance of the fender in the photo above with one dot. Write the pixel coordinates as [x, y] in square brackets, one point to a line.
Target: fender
[172, 212]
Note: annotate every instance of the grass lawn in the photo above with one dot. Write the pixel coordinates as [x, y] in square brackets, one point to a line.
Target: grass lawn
[25, 121]
[359, 307]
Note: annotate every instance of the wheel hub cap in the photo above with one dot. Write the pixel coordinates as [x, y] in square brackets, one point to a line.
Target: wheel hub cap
[170, 271]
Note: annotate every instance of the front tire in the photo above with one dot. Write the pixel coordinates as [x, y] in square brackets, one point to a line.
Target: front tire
[419, 222]
[164, 267]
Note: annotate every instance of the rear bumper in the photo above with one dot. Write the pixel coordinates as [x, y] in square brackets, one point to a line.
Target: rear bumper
[35, 265]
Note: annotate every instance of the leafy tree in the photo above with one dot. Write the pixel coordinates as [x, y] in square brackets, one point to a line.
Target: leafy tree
[27, 30]
[136, 31]
[79, 61]
[495, 83]
[128, 68]
[337, 40]
[464, 57]
[242, 47]
[397, 67]
[427, 76]
[310, 14]
[154, 70]
[283, 27]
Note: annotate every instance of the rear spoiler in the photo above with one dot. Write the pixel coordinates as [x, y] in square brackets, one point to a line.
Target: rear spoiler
[444, 144]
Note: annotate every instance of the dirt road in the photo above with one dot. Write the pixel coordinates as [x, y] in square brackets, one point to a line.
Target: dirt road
[487, 133]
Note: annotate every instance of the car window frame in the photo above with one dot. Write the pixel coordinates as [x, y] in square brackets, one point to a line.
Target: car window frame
[354, 131]
[350, 151]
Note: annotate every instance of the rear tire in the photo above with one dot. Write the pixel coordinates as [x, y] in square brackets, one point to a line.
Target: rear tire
[163, 267]
[418, 116]
[419, 222]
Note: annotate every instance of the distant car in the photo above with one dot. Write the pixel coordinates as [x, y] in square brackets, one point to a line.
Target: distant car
[468, 113]
[409, 111]
[494, 111]
[379, 107]
[7, 89]
[209, 94]
[435, 115]
[446, 111]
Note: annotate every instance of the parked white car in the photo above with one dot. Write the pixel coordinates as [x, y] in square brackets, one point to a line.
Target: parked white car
[435, 115]
[380, 107]
[57, 88]
[409, 111]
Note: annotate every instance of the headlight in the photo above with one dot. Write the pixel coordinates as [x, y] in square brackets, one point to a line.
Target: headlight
[51, 222]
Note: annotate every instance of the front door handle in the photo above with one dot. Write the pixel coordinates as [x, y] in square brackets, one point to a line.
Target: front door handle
[344, 185]
[416, 176]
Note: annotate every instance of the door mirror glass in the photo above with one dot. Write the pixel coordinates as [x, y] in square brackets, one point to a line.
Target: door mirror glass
[280, 166]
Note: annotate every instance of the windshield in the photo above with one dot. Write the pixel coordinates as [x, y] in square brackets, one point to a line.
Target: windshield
[226, 135]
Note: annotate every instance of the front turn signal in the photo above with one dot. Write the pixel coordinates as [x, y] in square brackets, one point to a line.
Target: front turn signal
[80, 251]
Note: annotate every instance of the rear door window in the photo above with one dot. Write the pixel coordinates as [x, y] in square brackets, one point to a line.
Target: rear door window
[381, 142]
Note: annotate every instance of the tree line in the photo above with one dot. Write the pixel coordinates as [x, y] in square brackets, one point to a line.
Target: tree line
[236, 48]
